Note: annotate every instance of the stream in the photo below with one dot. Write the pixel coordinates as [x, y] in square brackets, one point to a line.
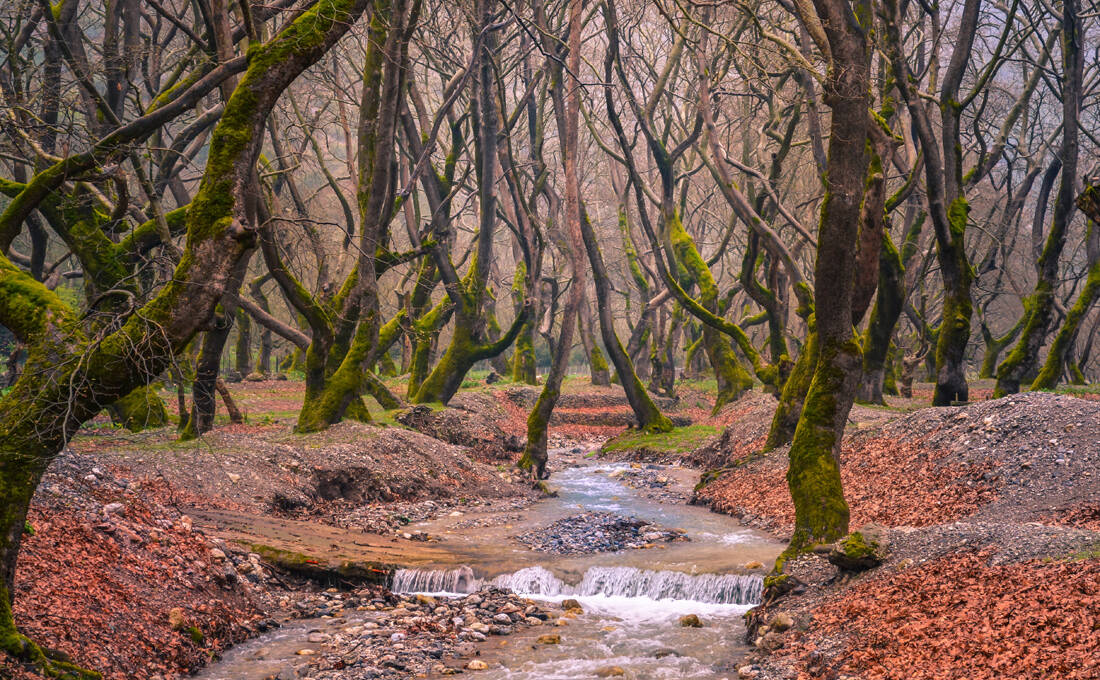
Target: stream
[632, 599]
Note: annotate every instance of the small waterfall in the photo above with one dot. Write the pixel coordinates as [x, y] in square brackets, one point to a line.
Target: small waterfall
[743, 589]
[461, 580]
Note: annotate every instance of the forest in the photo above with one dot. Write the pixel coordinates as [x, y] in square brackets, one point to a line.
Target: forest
[709, 339]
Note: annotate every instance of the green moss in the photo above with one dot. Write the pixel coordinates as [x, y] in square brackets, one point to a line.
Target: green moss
[676, 440]
[196, 635]
[856, 547]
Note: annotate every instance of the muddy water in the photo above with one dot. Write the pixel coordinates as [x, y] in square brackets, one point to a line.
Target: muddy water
[632, 599]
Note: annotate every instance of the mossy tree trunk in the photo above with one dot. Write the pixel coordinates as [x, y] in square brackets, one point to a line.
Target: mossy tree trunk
[880, 328]
[994, 346]
[141, 409]
[566, 104]
[649, 417]
[1089, 202]
[524, 363]
[469, 294]
[944, 184]
[813, 475]
[597, 364]
[42, 411]
[1023, 360]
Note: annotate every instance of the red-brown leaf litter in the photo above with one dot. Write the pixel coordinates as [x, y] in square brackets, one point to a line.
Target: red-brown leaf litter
[101, 591]
[962, 618]
[921, 491]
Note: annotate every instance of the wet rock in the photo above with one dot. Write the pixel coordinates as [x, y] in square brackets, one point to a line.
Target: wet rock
[571, 604]
[754, 565]
[477, 665]
[690, 621]
[549, 639]
[610, 672]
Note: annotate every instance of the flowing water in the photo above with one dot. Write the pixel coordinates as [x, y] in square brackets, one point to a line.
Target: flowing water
[632, 599]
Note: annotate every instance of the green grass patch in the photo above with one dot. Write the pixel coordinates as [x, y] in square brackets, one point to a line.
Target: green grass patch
[679, 440]
[1078, 389]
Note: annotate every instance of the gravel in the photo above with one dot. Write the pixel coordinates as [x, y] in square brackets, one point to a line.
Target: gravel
[596, 532]
[381, 636]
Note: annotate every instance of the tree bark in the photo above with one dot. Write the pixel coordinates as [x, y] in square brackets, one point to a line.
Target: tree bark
[821, 513]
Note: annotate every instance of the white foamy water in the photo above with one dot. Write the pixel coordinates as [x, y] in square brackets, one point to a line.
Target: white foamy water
[610, 587]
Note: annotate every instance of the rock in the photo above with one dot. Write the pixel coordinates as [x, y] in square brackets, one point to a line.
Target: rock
[477, 665]
[317, 637]
[549, 639]
[754, 565]
[502, 618]
[217, 554]
[114, 509]
[232, 376]
[747, 672]
[690, 621]
[571, 604]
[306, 652]
[233, 477]
[610, 672]
[493, 377]
[255, 376]
[426, 600]
[662, 653]
[184, 523]
[177, 620]
[781, 622]
[770, 642]
[280, 376]
[91, 479]
[860, 550]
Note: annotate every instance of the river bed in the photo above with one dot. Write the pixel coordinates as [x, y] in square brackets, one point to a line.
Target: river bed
[632, 599]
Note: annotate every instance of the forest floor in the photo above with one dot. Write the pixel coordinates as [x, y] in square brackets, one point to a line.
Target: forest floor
[146, 557]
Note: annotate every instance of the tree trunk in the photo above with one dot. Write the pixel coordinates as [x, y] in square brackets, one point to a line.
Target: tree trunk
[597, 365]
[1089, 202]
[235, 416]
[884, 317]
[649, 417]
[821, 513]
[203, 388]
[243, 349]
[40, 413]
[567, 113]
[1039, 308]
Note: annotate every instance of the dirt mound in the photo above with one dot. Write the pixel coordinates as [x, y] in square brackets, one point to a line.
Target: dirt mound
[1042, 451]
[140, 556]
[746, 421]
[470, 420]
[1030, 457]
[350, 462]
